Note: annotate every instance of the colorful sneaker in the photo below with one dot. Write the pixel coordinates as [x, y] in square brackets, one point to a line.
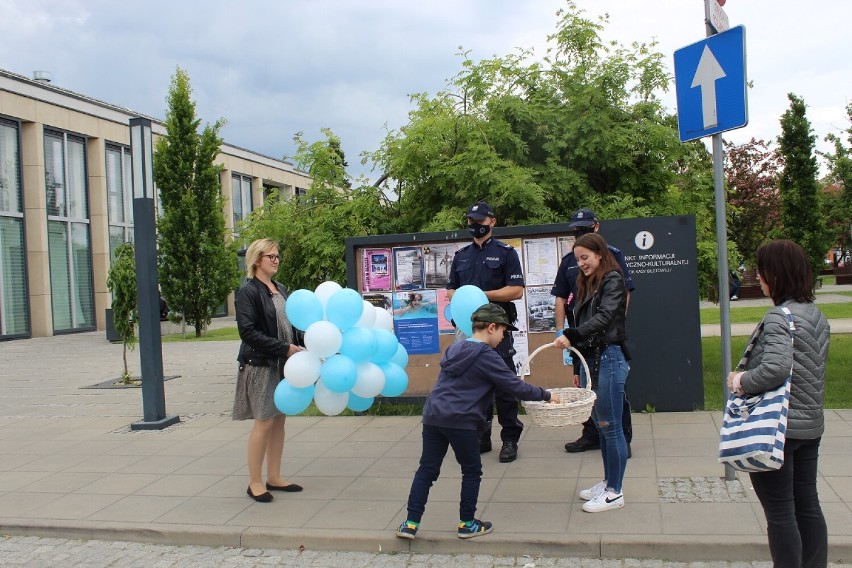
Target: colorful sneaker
[593, 491]
[407, 529]
[474, 528]
[604, 502]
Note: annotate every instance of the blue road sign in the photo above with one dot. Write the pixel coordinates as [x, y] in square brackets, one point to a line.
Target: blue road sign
[710, 79]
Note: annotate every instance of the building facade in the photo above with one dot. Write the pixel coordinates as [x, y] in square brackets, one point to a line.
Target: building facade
[66, 202]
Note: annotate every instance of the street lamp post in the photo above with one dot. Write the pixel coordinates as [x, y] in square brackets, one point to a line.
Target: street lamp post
[147, 286]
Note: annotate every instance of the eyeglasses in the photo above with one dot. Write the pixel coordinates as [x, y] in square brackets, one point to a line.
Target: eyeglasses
[272, 257]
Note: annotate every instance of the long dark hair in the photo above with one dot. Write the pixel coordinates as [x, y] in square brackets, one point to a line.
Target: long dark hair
[784, 266]
[588, 285]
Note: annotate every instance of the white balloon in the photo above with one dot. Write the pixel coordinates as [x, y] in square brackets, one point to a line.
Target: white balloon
[323, 339]
[326, 290]
[368, 316]
[329, 402]
[383, 319]
[370, 381]
[302, 369]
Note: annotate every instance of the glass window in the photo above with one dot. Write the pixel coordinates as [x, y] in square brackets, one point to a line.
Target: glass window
[241, 199]
[14, 303]
[119, 196]
[68, 239]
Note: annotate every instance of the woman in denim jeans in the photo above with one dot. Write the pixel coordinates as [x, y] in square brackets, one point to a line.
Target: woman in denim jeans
[599, 334]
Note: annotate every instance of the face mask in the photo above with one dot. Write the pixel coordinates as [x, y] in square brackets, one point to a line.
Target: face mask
[478, 229]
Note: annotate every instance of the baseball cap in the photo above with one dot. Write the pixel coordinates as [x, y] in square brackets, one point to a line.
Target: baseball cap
[492, 313]
[583, 218]
[479, 211]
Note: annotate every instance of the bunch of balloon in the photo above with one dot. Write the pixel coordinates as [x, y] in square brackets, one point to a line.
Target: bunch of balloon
[351, 353]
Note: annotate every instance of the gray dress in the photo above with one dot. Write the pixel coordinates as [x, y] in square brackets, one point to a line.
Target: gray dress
[254, 396]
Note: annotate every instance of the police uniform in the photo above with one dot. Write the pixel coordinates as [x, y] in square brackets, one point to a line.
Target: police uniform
[492, 266]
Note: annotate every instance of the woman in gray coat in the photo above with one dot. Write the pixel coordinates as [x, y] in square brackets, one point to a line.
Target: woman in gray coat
[796, 527]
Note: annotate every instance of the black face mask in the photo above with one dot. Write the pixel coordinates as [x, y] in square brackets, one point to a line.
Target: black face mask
[478, 230]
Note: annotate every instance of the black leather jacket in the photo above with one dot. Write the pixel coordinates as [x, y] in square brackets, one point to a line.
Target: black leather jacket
[258, 326]
[600, 319]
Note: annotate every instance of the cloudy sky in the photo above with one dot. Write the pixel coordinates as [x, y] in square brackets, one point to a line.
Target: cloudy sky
[272, 68]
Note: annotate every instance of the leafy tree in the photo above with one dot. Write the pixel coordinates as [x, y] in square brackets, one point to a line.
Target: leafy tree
[311, 229]
[121, 281]
[198, 268]
[839, 212]
[752, 173]
[800, 199]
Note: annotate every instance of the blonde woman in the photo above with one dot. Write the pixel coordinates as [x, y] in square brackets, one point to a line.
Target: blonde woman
[268, 340]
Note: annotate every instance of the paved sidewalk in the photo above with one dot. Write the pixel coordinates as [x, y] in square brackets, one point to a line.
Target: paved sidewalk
[70, 467]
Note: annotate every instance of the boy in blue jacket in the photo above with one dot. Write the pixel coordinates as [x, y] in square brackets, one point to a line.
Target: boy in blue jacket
[455, 415]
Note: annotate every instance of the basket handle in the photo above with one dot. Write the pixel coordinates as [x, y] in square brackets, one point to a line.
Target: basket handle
[526, 365]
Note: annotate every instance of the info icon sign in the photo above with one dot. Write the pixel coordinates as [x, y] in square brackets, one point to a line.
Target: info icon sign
[710, 79]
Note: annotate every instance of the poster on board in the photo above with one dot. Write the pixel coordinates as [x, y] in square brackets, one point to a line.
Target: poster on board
[540, 261]
[437, 260]
[408, 268]
[415, 320]
[376, 270]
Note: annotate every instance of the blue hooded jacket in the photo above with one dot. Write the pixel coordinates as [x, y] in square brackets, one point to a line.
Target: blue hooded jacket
[470, 371]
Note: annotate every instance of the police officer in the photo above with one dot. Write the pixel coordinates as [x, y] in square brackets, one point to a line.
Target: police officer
[494, 267]
[565, 290]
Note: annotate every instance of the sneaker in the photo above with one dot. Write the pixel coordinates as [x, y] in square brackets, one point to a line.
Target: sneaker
[475, 528]
[593, 491]
[509, 452]
[735, 298]
[407, 530]
[604, 502]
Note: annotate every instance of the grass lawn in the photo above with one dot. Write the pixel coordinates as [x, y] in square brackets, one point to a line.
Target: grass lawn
[838, 392]
[223, 334]
[755, 313]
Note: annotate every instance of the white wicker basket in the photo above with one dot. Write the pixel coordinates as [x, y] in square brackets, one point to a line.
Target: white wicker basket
[575, 404]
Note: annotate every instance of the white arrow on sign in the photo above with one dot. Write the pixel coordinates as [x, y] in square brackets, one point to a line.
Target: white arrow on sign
[708, 72]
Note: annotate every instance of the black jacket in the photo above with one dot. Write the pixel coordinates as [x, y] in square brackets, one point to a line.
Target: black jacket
[258, 325]
[601, 317]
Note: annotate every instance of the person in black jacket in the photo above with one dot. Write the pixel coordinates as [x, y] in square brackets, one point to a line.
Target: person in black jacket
[599, 335]
[268, 340]
[456, 413]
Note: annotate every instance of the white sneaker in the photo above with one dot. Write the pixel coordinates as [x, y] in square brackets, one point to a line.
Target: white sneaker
[593, 491]
[604, 502]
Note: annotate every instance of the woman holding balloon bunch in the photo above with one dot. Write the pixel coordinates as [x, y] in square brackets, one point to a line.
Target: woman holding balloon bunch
[268, 339]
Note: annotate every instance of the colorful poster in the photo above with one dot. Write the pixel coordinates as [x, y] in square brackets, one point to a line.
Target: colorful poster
[444, 316]
[408, 268]
[540, 261]
[376, 269]
[540, 306]
[438, 259]
[415, 319]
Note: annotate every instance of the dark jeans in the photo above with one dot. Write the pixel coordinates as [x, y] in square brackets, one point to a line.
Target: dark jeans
[507, 404]
[590, 431]
[436, 440]
[798, 536]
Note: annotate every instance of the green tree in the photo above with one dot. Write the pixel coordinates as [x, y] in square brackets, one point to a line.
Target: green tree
[198, 267]
[311, 229]
[839, 213]
[752, 172]
[801, 211]
[121, 281]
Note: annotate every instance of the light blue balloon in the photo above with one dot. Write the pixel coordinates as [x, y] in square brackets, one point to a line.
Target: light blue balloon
[344, 308]
[465, 301]
[303, 308]
[359, 403]
[359, 344]
[396, 379]
[291, 400]
[386, 344]
[339, 373]
[401, 357]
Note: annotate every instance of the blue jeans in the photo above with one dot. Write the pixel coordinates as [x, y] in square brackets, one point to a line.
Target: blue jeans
[796, 527]
[436, 440]
[608, 411]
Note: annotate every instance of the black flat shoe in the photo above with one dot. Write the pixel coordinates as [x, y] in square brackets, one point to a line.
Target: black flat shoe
[262, 498]
[289, 488]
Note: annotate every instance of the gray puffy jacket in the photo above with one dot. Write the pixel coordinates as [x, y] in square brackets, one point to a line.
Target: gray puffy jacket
[769, 365]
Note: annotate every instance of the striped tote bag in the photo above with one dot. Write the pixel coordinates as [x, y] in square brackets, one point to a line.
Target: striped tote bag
[754, 427]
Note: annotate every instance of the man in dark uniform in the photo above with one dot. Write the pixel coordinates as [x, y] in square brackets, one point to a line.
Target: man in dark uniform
[494, 267]
[565, 290]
